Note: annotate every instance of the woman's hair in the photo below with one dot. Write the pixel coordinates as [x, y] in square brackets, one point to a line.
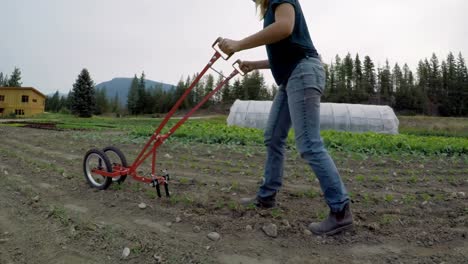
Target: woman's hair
[262, 6]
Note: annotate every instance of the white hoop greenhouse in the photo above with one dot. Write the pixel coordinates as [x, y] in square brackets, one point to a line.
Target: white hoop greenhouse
[340, 117]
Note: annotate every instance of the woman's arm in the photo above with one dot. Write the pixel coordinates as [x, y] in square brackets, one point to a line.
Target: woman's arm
[264, 64]
[281, 29]
[248, 66]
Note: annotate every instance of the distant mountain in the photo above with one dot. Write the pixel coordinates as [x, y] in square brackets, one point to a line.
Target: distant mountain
[121, 86]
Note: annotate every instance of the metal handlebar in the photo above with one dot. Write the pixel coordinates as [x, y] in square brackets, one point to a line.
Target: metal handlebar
[215, 46]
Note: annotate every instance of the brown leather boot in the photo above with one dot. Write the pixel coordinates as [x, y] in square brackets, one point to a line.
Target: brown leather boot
[335, 223]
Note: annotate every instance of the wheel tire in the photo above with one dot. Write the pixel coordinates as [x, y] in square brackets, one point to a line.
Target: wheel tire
[103, 161]
[123, 161]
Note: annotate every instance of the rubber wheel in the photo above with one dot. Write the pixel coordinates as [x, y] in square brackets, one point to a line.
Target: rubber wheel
[116, 157]
[95, 158]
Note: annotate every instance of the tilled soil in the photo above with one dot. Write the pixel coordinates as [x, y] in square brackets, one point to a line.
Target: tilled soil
[407, 208]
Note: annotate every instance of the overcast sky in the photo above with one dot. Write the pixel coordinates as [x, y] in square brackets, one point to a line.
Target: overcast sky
[52, 40]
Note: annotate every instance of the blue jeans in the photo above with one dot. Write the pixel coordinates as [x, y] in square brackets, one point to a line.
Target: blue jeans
[297, 104]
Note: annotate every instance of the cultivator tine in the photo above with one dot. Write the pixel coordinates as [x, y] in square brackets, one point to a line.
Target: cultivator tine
[166, 181]
[166, 188]
[158, 190]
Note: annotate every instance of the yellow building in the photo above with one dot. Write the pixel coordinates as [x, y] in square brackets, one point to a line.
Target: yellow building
[21, 101]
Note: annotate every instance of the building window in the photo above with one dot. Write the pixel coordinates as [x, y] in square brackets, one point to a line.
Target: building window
[25, 99]
[34, 100]
[2, 98]
[19, 112]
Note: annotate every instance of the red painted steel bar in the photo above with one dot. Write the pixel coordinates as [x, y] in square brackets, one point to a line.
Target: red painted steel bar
[173, 129]
[213, 59]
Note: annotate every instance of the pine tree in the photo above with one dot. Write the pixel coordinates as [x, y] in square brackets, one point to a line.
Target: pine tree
[132, 100]
[369, 79]
[2, 79]
[209, 86]
[70, 98]
[142, 101]
[226, 97]
[254, 86]
[237, 90]
[460, 95]
[188, 102]
[157, 99]
[83, 103]
[115, 104]
[63, 108]
[341, 91]
[102, 104]
[54, 105]
[180, 89]
[422, 102]
[15, 79]
[398, 85]
[348, 65]
[330, 94]
[435, 84]
[217, 97]
[385, 85]
[360, 94]
[5, 80]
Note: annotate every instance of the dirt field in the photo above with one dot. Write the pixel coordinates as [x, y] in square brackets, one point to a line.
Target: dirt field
[408, 209]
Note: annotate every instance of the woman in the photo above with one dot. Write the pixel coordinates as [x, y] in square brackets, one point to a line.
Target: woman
[298, 71]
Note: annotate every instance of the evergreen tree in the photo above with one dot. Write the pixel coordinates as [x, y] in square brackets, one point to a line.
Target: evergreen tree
[369, 79]
[360, 94]
[70, 98]
[142, 101]
[398, 85]
[2, 81]
[348, 65]
[434, 91]
[404, 89]
[157, 99]
[385, 85]
[217, 97]
[102, 104]
[251, 84]
[83, 103]
[63, 104]
[209, 86]
[54, 104]
[115, 104]
[460, 91]
[422, 100]
[341, 91]
[180, 89]
[226, 97]
[199, 90]
[237, 90]
[132, 100]
[330, 94]
[188, 102]
[5, 80]
[15, 79]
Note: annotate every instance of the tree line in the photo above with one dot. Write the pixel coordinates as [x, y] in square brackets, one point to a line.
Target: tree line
[84, 99]
[157, 100]
[437, 88]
